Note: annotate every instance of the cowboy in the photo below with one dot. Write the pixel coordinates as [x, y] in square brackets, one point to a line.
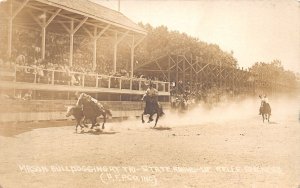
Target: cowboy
[89, 98]
[263, 99]
[153, 94]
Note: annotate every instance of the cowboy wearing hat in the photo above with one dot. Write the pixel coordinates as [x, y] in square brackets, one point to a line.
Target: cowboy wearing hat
[80, 95]
[153, 94]
[263, 99]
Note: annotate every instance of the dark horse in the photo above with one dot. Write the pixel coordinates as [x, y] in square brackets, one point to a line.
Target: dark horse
[77, 113]
[151, 108]
[91, 111]
[265, 111]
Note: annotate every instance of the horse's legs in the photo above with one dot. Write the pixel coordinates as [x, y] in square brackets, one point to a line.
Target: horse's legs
[94, 121]
[157, 117]
[84, 121]
[143, 121]
[78, 124]
[151, 117]
[104, 120]
[263, 116]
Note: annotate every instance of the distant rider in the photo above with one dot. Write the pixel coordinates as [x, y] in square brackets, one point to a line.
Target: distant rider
[263, 99]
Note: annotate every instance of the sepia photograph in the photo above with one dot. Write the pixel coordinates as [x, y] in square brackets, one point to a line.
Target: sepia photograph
[150, 93]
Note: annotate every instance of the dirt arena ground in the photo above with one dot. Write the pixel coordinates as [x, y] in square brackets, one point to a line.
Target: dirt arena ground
[228, 146]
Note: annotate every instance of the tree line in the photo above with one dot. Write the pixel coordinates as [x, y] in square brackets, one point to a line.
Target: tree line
[160, 41]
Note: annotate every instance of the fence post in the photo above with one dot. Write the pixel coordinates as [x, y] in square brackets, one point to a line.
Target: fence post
[97, 80]
[83, 77]
[15, 78]
[109, 81]
[130, 86]
[52, 78]
[35, 73]
[140, 84]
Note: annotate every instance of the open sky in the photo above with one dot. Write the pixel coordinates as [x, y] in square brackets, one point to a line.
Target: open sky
[258, 30]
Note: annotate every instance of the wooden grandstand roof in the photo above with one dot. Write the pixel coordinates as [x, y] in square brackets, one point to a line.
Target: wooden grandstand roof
[96, 11]
[76, 10]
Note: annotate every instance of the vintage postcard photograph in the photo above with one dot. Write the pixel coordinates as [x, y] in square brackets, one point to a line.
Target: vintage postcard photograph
[150, 93]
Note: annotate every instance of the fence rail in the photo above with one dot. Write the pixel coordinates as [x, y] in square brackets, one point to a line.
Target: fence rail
[26, 74]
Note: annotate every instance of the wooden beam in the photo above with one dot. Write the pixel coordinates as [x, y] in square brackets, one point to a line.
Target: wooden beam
[35, 19]
[161, 69]
[19, 8]
[80, 24]
[88, 32]
[66, 28]
[121, 38]
[102, 32]
[52, 17]
[68, 17]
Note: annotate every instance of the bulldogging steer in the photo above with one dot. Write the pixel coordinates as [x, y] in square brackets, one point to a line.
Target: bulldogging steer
[77, 113]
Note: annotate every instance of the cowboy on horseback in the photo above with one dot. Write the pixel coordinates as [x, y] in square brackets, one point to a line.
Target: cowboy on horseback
[263, 101]
[92, 108]
[98, 106]
[152, 93]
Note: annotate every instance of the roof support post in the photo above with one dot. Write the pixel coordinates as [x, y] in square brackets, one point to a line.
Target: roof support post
[132, 47]
[71, 43]
[95, 38]
[117, 41]
[95, 49]
[11, 17]
[43, 41]
[44, 24]
[132, 57]
[9, 44]
[115, 54]
[169, 69]
[71, 32]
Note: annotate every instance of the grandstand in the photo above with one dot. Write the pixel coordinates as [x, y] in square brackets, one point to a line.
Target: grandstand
[51, 50]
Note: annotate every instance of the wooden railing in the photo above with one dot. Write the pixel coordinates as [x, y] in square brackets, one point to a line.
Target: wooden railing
[28, 74]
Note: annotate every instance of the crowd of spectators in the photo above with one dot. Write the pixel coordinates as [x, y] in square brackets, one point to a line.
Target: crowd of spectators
[26, 52]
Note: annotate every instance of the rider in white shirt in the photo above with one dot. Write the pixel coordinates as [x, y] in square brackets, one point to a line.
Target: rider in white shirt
[262, 100]
[266, 99]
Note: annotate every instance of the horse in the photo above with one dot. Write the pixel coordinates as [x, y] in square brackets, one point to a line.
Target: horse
[151, 108]
[77, 113]
[91, 111]
[265, 111]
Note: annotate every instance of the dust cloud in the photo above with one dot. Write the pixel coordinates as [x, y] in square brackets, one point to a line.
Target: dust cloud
[283, 109]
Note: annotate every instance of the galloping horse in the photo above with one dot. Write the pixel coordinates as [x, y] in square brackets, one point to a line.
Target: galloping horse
[265, 111]
[91, 111]
[152, 109]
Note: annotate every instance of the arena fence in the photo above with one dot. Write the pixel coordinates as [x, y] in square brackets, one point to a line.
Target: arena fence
[36, 110]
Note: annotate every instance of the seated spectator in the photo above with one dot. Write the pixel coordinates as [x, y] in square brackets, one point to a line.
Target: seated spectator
[27, 95]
